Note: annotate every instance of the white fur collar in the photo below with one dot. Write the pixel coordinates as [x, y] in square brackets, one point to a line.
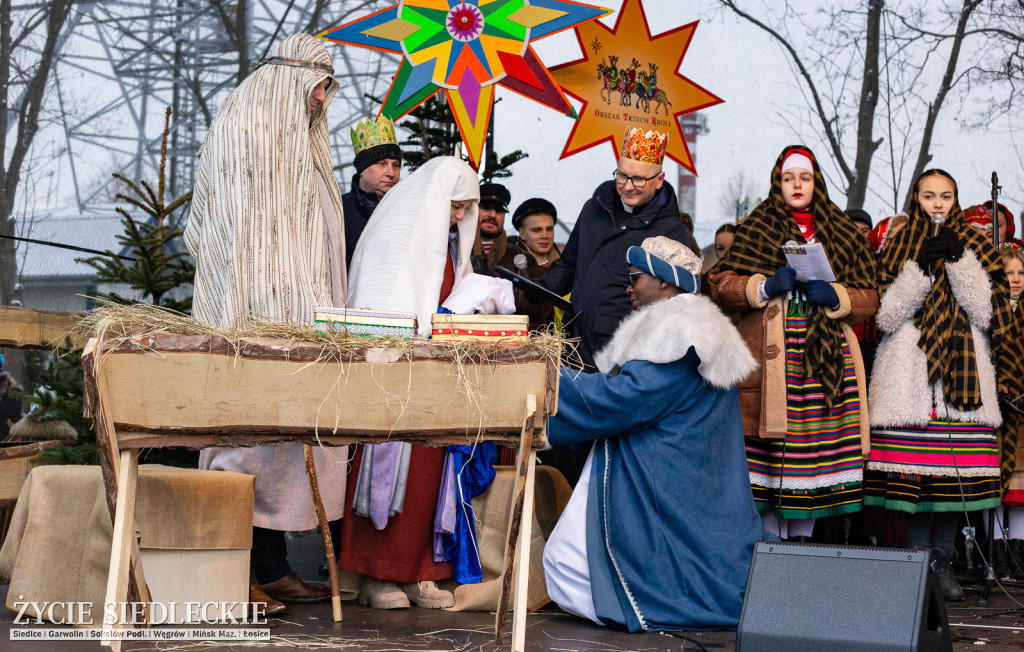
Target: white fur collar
[665, 330]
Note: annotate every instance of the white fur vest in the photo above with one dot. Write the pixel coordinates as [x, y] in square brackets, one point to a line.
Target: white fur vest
[899, 394]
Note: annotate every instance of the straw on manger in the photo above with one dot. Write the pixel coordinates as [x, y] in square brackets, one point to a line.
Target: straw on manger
[462, 399]
[116, 325]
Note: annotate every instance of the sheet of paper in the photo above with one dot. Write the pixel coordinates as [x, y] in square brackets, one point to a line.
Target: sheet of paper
[809, 261]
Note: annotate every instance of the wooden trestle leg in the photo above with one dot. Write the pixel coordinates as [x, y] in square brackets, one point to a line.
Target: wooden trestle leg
[515, 577]
[121, 546]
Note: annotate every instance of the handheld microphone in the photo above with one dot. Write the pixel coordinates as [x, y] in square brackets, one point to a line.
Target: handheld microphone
[938, 220]
[520, 262]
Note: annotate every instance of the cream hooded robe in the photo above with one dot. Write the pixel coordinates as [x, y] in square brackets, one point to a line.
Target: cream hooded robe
[257, 231]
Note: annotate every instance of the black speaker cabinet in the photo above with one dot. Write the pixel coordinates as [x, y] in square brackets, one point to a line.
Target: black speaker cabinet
[812, 597]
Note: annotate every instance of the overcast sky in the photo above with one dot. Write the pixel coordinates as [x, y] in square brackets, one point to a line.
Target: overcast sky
[732, 59]
[742, 65]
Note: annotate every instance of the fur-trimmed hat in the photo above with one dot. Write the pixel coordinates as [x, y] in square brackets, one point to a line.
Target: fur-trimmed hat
[669, 260]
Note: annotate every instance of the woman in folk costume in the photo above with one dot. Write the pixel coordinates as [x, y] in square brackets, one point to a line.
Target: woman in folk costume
[267, 234]
[1009, 550]
[933, 389]
[413, 256]
[805, 411]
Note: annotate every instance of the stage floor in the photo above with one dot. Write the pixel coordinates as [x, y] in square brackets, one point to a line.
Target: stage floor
[999, 627]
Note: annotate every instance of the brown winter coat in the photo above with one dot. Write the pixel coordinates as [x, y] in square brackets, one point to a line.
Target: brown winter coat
[763, 393]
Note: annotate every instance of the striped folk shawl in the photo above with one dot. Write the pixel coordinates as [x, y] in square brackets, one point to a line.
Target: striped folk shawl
[757, 249]
[256, 228]
[943, 323]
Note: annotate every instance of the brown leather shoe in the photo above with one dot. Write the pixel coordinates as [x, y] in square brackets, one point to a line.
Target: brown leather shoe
[291, 589]
[261, 604]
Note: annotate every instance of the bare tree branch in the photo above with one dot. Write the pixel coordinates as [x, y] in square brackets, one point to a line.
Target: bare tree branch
[826, 120]
[924, 155]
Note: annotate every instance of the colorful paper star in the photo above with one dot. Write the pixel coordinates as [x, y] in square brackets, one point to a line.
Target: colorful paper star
[466, 48]
[636, 84]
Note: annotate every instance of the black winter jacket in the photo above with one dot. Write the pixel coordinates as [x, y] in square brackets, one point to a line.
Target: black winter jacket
[358, 206]
[593, 264]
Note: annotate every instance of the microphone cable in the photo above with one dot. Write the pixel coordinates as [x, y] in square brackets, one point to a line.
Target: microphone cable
[952, 451]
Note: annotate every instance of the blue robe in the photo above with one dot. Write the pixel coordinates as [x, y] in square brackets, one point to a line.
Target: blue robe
[671, 521]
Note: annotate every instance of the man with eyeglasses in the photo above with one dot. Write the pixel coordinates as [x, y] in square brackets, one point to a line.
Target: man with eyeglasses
[635, 204]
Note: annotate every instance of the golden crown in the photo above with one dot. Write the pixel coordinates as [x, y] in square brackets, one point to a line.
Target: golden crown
[646, 147]
[367, 134]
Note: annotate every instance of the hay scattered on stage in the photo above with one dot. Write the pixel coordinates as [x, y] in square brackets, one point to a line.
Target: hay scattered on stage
[137, 321]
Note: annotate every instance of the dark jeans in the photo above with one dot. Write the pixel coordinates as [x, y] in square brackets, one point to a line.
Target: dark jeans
[269, 557]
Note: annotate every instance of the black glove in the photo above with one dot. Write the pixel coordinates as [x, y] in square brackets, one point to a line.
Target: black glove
[781, 283]
[946, 245]
[822, 293]
[479, 264]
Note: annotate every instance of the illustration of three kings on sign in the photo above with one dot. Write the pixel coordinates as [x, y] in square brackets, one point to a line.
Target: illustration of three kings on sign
[629, 81]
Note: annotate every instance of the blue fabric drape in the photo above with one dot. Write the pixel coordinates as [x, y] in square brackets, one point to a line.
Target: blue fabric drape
[474, 473]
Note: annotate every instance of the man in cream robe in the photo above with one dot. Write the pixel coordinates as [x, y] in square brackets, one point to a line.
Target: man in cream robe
[267, 234]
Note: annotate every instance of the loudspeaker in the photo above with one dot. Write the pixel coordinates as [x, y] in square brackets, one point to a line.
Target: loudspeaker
[812, 597]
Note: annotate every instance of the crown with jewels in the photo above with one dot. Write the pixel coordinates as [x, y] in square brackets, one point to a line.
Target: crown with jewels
[367, 134]
[646, 147]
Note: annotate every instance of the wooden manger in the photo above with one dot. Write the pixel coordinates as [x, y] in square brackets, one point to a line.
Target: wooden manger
[25, 328]
[195, 391]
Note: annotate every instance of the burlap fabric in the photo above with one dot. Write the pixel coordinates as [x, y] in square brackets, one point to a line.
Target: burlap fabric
[491, 509]
[58, 546]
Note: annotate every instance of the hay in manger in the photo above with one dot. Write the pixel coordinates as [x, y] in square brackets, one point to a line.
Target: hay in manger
[169, 374]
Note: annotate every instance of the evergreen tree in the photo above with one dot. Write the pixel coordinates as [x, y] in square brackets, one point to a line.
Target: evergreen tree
[433, 132]
[158, 267]
[58, 397]
[156, 271]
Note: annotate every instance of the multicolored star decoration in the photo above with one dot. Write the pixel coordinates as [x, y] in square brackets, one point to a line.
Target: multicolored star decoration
[636, 79]
[466, 48]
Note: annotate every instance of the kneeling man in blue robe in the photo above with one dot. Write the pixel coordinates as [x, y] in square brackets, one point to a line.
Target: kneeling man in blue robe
[660, 530]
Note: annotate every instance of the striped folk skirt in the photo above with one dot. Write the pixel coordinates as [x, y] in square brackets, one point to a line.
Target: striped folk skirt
[924, 468]
[818, 465]
[1011, 457]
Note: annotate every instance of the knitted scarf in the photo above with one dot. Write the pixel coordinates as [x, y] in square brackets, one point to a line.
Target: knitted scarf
[946, 336]
[757, 249]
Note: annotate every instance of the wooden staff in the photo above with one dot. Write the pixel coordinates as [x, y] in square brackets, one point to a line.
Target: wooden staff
[519, 572]
[325, 532]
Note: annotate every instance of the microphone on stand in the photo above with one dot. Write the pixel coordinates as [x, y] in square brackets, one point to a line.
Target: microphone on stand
[995, 209]
[938, 220]
[520, 262]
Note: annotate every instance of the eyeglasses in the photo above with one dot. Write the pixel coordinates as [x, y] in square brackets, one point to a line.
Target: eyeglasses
[632, 278]
[638, 182]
